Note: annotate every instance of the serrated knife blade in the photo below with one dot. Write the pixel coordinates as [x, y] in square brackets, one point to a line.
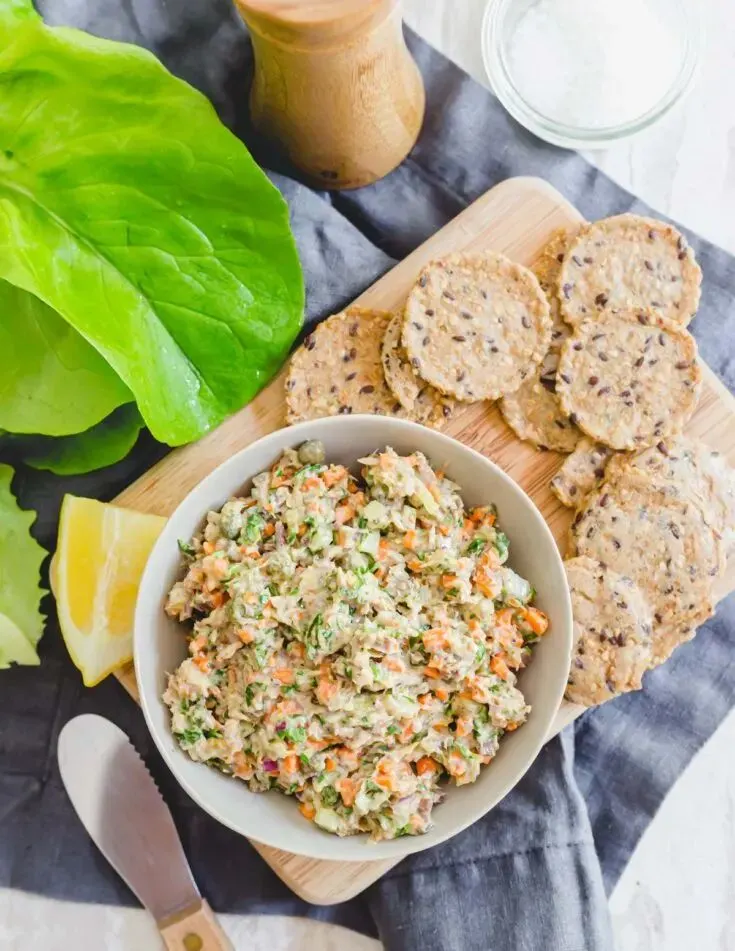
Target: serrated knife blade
[124, 813]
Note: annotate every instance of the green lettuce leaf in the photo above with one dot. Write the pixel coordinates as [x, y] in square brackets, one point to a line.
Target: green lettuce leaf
[20, 564]
[14, 648]
[53, 382]
[131, 210]
[103, 445]
[19, 10]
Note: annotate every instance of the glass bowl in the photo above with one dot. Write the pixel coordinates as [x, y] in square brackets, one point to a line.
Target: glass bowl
[500, 34]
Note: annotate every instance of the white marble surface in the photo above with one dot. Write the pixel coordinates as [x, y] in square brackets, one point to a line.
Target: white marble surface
[678, 892]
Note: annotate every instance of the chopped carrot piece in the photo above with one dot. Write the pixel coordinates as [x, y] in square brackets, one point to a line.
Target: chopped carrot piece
[464, 726]
[409, 539]
[207, 548]
[475, 628]
[318, 744]
[486, 587]
[432, 672]
[247, 637]
[284, 675]
[443, 529]
[312, 483]
[499, 666]
[291, 763]
[426, 765]
[325, 691]
[270, 529]
[302, 530]
[441, 693]
[383, 549]
[435, 639]
[297, 649]
[333, 475]
[393, 664]
[536, 620]
[510, 727]
[414, 564]
[217, 598]
[505, 616]
[347, 789]
[343, 513]
[449, 581]
[306, 809]
[406, 733]
[202, 663]
[330, 764]
[348, 757]
[439, 473]
[341, 537]
[424, 698]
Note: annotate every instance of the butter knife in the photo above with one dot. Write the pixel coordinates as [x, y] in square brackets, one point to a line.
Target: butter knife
[123, 812]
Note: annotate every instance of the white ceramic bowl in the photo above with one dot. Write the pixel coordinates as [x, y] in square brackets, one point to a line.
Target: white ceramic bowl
[272, 818]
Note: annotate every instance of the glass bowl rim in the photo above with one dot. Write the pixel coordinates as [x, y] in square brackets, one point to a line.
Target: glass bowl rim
[578, 136]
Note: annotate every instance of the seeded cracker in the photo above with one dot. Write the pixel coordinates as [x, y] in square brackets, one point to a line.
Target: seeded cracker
[425, 404]
[688, 470]
[663, 545]
[629, 379]
[533, 411]
[476, 326]
[338, 369]
[627, 262]
[612, 633]
[581, 472]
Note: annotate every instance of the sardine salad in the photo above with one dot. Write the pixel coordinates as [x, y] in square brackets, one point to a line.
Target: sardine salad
[352, 643]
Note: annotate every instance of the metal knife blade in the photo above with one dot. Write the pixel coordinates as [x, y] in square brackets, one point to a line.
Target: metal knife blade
[124, 813]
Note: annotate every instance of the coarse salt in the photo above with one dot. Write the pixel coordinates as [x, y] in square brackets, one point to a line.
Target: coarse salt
[594, 63]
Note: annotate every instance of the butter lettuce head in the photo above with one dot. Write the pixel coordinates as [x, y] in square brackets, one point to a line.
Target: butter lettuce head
[130, 210]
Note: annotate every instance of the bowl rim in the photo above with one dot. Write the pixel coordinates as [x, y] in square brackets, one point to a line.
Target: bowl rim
[573, 136]
[407, 845]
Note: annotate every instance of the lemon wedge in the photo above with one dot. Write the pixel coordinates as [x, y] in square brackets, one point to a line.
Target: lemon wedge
[96, 571]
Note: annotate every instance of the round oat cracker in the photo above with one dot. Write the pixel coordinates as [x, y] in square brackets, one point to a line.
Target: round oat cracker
[422, 401]
[534, 414]
[684, 469]
[533, 411]
[629, 379]
[627, 262]
[662, 544]
[612, 633]
[476, 326]
[338, 369]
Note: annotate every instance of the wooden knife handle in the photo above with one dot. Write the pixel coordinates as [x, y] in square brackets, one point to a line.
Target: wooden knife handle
[194, 929]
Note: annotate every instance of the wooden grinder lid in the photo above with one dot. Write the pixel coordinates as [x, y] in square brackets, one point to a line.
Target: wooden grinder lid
[309, 23]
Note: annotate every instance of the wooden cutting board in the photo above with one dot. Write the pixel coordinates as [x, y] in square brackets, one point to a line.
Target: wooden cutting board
[515, 218]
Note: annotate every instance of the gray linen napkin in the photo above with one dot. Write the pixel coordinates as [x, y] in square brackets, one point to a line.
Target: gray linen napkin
[532, 875]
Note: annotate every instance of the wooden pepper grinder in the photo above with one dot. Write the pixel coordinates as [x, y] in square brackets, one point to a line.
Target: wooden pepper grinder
[334, 86]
